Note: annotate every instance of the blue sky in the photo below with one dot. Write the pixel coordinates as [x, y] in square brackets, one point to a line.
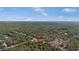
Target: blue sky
[39, 14]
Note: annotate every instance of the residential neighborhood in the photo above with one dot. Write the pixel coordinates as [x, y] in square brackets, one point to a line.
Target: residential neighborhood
[41, 37]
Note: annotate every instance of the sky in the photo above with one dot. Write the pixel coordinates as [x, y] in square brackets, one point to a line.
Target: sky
[39, 14]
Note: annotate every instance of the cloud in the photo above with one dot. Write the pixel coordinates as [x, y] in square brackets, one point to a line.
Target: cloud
[40, 11]
[17, 18]
[44, 14]
[9, 17]
[29, 19]
[64, 18]
[69, 10]
[60, 17]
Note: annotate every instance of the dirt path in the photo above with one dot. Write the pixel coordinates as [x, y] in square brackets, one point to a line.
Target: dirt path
[12, 46]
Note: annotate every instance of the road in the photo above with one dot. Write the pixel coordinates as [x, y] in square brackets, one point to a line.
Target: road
[12, 46]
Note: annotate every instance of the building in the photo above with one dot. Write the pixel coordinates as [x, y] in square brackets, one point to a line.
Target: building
[37, 39]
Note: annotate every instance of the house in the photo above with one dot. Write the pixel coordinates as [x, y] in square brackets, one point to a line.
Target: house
[37, 39]
[56, 42]
[4, 44]
[22, 34]
[6, 37]
[65, 33]
[1, 40]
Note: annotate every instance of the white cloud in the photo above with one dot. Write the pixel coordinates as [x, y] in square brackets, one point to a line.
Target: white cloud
[64, 18]
[69, 10]
[40, 11]
[44, 14]
[60, 17]
[29, 19]
[9, 18]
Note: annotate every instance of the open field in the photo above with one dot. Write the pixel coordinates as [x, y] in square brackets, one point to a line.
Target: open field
[39, 36]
